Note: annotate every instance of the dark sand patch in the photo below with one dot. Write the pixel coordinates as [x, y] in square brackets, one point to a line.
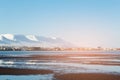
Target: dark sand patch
[17, 71]
[88, 76]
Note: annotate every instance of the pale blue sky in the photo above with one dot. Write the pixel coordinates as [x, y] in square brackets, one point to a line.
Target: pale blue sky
[89, 23]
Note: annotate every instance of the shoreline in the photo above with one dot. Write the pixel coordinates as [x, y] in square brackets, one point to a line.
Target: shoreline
[105, 61]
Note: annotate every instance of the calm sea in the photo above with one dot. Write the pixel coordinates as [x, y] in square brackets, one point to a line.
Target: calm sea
[23, 53]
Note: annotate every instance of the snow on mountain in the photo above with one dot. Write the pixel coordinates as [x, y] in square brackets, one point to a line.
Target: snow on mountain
[32, 40]
[53, 37]
[1, 37]
[9, 36]
[32, 37]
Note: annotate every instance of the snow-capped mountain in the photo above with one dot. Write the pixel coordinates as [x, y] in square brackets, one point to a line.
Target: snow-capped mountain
[32, 40]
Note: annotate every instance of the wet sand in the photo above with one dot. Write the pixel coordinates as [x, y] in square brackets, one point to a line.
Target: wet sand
[94, 59]
[87, 76]
[87, 58]
[17, 71]
[57, 76]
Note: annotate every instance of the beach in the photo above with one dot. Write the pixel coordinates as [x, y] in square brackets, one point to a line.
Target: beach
[70, 66]
[88, 76]
[78, 76]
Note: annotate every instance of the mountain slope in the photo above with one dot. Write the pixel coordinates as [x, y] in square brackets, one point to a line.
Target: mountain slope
[32, 40]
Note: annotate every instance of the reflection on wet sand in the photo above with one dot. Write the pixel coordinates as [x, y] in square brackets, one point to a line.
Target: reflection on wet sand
[66, 63]
[107, 63]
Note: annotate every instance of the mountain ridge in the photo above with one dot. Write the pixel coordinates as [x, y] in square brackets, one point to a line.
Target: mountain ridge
[32, 40]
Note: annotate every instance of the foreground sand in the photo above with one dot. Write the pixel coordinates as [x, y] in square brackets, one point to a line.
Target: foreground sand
[15, 71]
[88, 76]
[57, 76]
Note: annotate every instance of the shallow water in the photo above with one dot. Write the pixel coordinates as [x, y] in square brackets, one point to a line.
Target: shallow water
[27, 53]
[28, 77]
[65, 64]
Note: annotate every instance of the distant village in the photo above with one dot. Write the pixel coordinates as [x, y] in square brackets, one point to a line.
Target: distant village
[26, 48]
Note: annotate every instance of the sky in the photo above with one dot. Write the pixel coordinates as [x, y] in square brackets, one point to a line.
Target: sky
[85, 23]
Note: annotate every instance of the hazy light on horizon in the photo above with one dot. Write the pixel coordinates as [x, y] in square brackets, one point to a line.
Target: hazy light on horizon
[89, 23]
